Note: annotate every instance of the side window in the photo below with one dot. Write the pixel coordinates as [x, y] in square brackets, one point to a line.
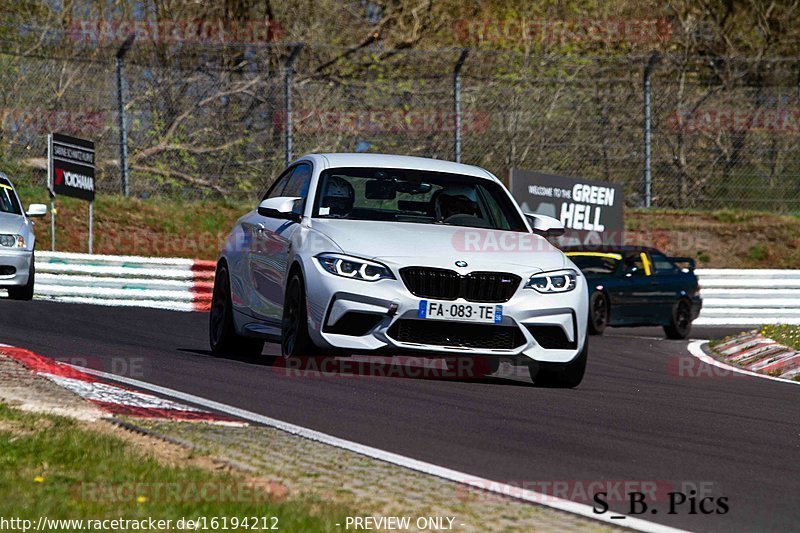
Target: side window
[279, 185]
[662, 265]
[499, 218]
[298, 185]
[635, 265]
[8, 200]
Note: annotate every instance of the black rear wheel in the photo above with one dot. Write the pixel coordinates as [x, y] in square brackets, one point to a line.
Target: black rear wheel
[598, 313]
[566, 376]
[221, 331]
[681, 322]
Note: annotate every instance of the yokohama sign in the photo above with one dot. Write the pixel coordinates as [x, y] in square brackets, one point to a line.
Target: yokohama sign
[72, 165]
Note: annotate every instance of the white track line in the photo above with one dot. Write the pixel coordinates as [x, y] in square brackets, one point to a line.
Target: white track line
[400, 460]
[696, 349]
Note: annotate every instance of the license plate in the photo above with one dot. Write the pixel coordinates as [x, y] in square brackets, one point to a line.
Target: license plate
[460, 312]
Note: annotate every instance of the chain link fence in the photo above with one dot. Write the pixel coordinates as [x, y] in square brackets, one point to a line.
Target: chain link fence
[215, 122]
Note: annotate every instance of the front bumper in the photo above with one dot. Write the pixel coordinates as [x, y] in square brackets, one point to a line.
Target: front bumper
[542, 327]
[14, 267]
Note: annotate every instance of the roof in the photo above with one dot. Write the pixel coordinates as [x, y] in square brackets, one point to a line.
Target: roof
[397, 161]
[611, 249]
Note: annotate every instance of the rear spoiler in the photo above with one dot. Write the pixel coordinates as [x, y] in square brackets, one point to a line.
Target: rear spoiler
[688, 260]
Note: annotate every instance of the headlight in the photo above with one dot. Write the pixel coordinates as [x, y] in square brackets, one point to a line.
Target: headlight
[556, 281]
[12, 241]
[351, 267]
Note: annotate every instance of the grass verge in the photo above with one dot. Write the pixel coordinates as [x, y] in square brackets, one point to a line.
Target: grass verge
[783, 334]
[59, 468]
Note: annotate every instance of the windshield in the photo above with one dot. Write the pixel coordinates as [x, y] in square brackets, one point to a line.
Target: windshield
[8, 200]
[416, 196]
[595, 263]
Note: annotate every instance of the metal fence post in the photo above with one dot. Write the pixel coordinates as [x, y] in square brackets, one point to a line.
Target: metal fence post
[123, 132]
[287, 98]
[457, 102]
[648, 178]
[50, 190]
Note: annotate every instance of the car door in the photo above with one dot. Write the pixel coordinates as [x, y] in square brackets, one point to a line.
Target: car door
[635, 292]
[250, 232]
[670, 285]
[272, 239]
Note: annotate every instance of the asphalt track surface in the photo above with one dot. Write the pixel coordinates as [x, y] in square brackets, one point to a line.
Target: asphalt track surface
[644, 413]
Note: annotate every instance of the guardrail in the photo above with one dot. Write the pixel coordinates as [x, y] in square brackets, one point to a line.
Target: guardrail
[749, 297]
[163, 283]
[730, 297]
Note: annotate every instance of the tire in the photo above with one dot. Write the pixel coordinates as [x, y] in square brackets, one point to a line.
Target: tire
[221, 331]
[295, 340]
[680, 324]
[26, 291]
[563, 376]
[598, 313]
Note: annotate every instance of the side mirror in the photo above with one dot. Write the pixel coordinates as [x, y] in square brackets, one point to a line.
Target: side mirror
[280, 207]
[545, 225]
[36, 210]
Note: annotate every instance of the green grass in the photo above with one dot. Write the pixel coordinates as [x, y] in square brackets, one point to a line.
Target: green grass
[757, 253]
[55, 467]
[159, 226]
[783, 334]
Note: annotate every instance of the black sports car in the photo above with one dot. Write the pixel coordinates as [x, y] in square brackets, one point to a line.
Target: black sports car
[638, 286]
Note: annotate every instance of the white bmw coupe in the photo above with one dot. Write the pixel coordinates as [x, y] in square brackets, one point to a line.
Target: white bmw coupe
[369, 253]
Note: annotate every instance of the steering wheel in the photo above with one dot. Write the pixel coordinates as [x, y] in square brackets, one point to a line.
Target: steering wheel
[466, 220]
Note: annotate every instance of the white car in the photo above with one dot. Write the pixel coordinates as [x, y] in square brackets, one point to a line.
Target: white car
[370, 253]
[16, 242]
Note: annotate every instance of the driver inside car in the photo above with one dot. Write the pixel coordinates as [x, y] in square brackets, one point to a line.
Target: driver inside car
[454, 200]
[338, 198]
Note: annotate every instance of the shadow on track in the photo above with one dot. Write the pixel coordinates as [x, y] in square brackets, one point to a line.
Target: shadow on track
[475, 369]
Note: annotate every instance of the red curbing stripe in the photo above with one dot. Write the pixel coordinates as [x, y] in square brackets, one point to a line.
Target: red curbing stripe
[202, 284]
[40, 364]
[204, 264]
[784, 362]
[153, 412]
[55, 370]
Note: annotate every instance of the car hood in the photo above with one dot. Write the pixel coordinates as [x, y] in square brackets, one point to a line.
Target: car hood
[441, 246]
[11, 224]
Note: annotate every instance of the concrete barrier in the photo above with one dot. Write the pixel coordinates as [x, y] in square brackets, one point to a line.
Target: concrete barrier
[749, 297]
[730, 297]
[163, 283]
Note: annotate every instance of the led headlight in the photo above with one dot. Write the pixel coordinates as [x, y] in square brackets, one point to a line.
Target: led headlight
[12, 241]
[354, 268]
[556, 281]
